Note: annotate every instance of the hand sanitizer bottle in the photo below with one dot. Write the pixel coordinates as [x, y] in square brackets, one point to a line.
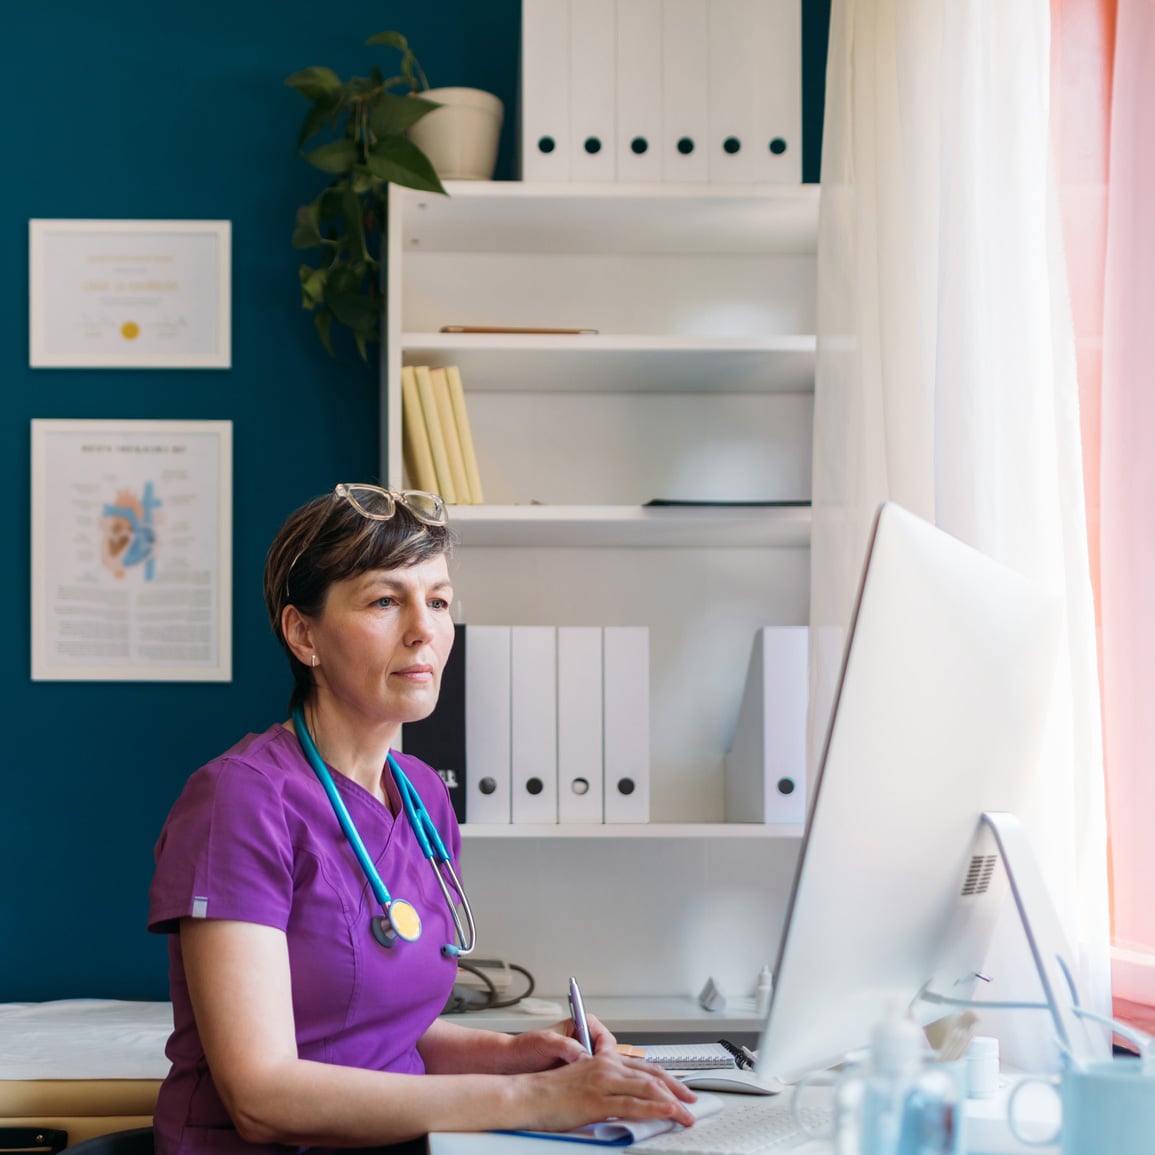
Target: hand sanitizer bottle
[896, 1048]
[904, 1106]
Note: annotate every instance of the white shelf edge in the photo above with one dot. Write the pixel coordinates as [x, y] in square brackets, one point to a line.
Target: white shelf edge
[621, 363]
[703, 219]
[786, 527]
[650, 1014]
[607, 343]
[607, 190]
[675, 830]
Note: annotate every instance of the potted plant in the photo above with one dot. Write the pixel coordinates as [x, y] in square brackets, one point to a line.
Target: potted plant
[365, 120]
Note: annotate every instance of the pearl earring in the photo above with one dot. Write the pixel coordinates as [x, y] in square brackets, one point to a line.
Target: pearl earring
[315, 662]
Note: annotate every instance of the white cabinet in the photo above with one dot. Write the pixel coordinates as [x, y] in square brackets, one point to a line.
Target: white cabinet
[696, 385]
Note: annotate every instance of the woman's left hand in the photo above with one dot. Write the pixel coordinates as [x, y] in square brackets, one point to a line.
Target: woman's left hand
[539, 1050]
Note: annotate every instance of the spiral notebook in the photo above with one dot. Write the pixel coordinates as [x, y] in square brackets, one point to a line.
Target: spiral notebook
[690, 1056]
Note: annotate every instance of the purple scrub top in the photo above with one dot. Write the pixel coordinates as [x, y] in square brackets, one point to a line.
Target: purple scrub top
[254, 838]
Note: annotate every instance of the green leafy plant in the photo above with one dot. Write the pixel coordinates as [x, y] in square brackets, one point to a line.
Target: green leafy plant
[363, 121]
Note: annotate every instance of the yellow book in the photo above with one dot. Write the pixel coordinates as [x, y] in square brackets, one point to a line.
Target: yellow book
[468, 456]
[449, 432]
[445, 484]
[414, 440]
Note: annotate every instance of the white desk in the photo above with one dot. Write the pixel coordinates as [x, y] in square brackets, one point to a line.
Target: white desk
[470, 1144]
[987, 1134]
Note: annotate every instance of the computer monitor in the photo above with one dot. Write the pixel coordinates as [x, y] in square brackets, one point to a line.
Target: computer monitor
[941, 704]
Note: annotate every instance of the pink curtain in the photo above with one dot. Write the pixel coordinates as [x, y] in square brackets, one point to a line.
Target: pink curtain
[1127, 501]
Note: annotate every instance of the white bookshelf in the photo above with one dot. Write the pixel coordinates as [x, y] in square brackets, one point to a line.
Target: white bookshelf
[697, 387]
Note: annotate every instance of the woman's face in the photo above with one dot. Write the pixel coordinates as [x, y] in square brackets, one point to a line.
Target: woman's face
[382, 641]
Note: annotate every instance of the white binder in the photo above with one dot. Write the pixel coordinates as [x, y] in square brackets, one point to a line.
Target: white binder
[685, 90]
[487, 724]
[766, 764]
[533, 710]
[639, 87]
[737, 54]
[545, 95]
[626, 725]
[593, 49]
[579, 724]
[778, 97]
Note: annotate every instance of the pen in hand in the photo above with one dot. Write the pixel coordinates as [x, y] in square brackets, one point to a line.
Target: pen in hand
[577, 1011]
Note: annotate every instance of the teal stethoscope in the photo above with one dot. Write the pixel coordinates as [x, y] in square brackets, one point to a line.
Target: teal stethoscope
[400, 918]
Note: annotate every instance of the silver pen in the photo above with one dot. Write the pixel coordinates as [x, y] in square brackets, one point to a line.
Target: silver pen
[577, 1011]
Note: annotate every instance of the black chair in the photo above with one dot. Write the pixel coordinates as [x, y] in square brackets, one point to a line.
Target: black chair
[137, 1141]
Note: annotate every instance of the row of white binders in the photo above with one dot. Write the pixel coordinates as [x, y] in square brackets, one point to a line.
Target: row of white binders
[542, 724]
[661, 90]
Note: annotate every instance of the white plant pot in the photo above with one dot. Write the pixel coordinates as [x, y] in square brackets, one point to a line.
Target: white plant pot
[460, 138]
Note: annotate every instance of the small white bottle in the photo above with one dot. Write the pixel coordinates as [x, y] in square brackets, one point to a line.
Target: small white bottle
[762, 991]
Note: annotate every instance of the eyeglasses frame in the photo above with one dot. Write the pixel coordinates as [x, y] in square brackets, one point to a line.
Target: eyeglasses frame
[396, 497]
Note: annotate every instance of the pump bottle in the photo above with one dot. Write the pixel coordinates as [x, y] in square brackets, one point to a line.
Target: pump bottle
[904, 1107]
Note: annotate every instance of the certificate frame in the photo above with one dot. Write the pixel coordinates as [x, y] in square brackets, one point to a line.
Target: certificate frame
[131, 559]
[129, 294]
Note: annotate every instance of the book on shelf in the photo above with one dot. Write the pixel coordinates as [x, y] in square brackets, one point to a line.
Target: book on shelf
[437, 445]
[461, 414]
[415, 450]
[452, 439]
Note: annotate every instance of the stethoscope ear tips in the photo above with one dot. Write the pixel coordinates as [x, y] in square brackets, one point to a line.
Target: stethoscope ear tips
[450, 950]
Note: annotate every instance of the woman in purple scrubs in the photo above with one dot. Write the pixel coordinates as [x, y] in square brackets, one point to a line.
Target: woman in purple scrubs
[293, 1026]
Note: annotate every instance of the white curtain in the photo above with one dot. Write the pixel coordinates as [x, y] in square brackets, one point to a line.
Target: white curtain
[946, 382]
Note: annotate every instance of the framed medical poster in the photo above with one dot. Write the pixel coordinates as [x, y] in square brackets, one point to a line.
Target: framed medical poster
[132, 551]
[129, 294]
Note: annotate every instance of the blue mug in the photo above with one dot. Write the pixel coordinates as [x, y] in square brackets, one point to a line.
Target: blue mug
[1107, 1106]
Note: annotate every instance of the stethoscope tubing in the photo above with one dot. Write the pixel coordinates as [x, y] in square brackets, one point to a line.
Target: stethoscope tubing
[376, 883]
[424, 829]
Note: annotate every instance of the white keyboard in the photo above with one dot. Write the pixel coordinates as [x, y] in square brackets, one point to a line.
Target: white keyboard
[747, 1126]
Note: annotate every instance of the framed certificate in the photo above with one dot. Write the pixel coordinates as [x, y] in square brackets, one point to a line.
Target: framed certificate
[132, 551]
[129, 294]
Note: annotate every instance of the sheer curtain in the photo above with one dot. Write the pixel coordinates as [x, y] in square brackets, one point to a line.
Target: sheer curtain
[946, 382]
[1127, 474]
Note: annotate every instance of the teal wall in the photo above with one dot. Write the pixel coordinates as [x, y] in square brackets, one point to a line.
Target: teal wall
[137, 110]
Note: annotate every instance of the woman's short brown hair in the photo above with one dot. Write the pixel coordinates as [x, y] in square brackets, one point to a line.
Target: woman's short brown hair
[326, 541]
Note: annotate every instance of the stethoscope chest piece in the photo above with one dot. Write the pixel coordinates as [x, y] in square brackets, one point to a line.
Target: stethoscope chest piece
[400, 920]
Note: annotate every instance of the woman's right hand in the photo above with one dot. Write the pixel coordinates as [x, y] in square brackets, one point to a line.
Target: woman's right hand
[603, 1086]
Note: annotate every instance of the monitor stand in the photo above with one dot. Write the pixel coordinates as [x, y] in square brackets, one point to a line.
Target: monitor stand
[1052, 954]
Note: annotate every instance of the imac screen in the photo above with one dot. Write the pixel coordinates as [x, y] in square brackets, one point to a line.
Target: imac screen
[939, 715]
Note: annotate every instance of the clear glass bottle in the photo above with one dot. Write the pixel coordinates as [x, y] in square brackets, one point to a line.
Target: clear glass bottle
[905, 1107]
